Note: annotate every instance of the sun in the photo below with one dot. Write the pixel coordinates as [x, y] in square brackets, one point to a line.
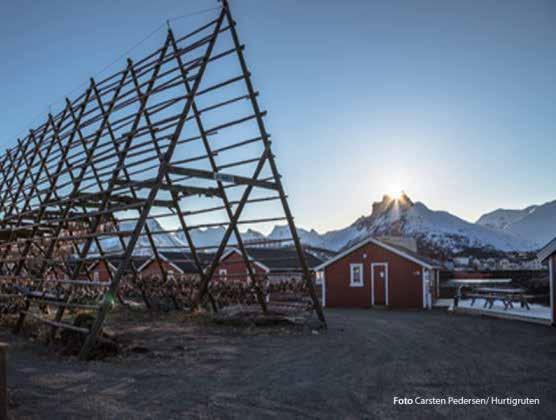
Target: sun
[395, 191]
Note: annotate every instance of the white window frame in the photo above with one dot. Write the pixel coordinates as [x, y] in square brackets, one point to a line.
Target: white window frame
[319, 275]
[96, 276]
[352, 283]
[223, 274]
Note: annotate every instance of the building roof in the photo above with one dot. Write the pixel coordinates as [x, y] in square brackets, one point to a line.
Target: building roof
[136, 260]
[182, 260]
[416, 255]
[547, 250]
[396, 249]
[112, 260]
[278, 259]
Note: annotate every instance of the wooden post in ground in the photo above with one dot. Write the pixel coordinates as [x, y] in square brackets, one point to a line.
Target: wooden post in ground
[3, 382]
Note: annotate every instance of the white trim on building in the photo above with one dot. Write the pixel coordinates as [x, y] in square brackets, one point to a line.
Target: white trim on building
[426, 286]
[162, 257]
[547, 250]
[320, 280]
[352, 270]
[392, 249]
[251, 259]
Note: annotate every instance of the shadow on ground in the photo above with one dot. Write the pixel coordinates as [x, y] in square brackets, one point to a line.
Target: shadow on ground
[354, 370]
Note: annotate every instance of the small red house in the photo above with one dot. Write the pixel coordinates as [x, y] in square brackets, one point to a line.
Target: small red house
[548, 253]
[101, 269]
[376, 273]
[98, 271]
[273, 264]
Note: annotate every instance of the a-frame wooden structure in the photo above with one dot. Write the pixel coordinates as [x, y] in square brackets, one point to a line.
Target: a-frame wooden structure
[177, 137]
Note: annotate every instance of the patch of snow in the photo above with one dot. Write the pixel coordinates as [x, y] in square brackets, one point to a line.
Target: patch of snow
[535, 311]
[536, 224]
[501, 219]
[311, 238]
[433, 224]
[212, 236]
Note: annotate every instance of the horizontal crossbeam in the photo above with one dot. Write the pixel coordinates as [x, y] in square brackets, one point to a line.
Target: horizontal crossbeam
[183, 189]
[219, 176]
[58, 324]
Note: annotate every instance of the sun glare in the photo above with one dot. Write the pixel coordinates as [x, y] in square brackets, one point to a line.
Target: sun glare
[395, 192]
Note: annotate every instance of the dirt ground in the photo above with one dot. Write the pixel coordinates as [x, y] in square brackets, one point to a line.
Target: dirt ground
[352, 371]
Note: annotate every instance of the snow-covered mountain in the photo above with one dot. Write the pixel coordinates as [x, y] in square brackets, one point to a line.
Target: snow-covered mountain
[435, 230]
[164, 241]
[536, 223]
[431, 229]
[311, 238]
[501, 219]
[213, 236]
[438, 231]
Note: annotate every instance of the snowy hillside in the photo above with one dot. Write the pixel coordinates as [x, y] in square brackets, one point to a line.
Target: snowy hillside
[213, 236]
[448, 231]
[536, 224]
[311, 237]
[337, 239]
[500, 230]
[432, 229]
[501, 219]
[164, 241]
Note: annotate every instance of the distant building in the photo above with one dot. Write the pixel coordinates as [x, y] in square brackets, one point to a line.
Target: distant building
[274, 264]
[476, 264]
[101, 269]
[461, 261]
[175, 264]
[449, 265]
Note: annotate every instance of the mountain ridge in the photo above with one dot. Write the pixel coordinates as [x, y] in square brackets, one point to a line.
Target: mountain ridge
[437, 231]
[536, 223]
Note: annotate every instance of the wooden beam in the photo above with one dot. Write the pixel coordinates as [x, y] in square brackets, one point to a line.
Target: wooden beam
[218, 176]
[58, 324]
[183, 189]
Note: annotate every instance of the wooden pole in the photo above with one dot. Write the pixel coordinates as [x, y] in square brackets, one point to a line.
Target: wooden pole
[118, 148]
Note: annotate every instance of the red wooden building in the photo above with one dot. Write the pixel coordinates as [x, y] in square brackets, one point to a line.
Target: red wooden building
[376, 273]
[273, 264]
[98, 271]
[101, 269]
[548, 253]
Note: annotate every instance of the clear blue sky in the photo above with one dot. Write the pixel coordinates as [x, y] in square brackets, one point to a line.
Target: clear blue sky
[455, 102]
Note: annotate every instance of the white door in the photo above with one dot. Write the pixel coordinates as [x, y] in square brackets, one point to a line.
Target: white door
[379, 284]
[427, 296]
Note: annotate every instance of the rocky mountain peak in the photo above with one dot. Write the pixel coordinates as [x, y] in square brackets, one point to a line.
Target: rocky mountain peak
[388, 202]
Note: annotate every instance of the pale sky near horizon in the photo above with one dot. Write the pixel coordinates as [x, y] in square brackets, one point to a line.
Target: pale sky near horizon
[453, 102]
